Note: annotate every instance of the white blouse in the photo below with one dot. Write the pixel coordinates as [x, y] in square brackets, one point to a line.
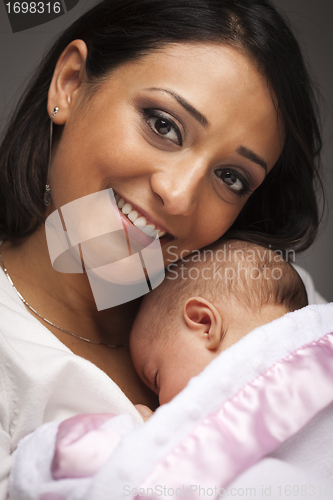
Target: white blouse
[41, 380]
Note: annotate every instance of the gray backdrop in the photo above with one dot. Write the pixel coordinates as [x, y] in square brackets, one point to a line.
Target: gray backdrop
[312, 21]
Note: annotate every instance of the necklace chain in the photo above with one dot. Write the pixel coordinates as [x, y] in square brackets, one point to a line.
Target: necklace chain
[47, 320]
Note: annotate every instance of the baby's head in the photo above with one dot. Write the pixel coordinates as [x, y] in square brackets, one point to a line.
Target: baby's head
[205, 304]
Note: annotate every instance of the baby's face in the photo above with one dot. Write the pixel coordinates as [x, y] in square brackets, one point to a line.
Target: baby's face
[166, 365]
[166, 362]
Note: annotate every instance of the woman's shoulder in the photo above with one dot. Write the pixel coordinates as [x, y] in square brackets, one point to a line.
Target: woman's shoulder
[8, 296]
[17, 323]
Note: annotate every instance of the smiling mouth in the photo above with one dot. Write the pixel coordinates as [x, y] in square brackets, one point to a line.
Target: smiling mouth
[139, 220]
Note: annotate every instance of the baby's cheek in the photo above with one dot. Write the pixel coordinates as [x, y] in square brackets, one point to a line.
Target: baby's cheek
[170, 389]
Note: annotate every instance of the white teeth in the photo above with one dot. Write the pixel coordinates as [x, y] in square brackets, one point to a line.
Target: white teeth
[140, 222]
[127, 208]
[133, 215]
[149, 230]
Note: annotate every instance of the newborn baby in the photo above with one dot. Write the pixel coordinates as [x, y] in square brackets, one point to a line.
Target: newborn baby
[205, 304]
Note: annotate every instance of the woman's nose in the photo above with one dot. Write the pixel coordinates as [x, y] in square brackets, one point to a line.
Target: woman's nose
[179, 185]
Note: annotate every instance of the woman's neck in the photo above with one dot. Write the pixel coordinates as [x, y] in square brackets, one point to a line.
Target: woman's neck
[65, 299]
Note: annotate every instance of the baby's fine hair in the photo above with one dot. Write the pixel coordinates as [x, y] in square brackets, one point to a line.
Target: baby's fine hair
[252, 275]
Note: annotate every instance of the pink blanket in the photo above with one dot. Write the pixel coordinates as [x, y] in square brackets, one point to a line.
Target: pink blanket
[235, 420]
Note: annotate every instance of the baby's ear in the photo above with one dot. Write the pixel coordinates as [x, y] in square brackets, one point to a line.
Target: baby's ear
[202, 318]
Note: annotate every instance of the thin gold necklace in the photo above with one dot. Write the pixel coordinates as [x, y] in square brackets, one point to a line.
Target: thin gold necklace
[47, 320]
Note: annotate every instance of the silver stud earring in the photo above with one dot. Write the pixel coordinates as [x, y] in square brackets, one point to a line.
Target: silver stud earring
[47, 192]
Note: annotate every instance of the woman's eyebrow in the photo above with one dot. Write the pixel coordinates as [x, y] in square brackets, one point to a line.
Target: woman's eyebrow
[252, 156]
[242, 150]
[194, 112]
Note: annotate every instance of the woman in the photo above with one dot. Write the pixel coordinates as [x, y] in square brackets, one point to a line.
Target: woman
[200, 116]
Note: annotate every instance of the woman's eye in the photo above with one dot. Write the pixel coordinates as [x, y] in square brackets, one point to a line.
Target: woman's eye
[234, 181]
[163, 126]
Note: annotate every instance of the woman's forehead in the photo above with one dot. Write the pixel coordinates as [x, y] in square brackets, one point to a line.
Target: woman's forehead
[194, 65]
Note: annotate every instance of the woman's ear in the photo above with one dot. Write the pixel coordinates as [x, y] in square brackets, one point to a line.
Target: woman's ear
[67, 78]
[203, 318]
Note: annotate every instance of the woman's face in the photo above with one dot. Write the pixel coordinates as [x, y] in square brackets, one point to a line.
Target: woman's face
[184, 136]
